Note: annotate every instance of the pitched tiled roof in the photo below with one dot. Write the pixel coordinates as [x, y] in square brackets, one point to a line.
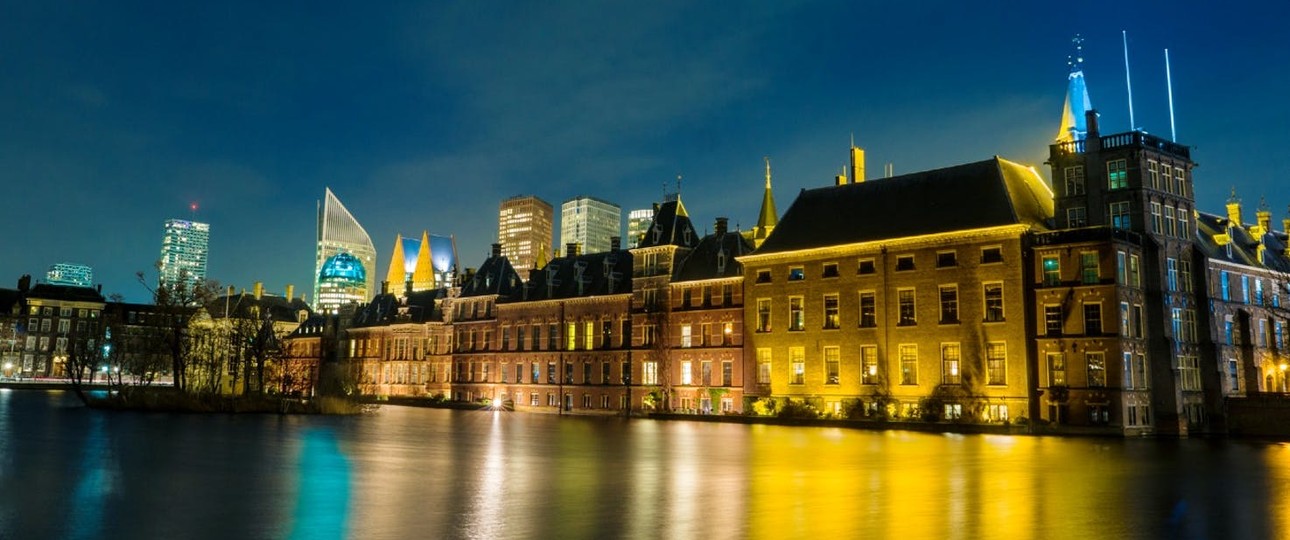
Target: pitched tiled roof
[65, 292]
[714, 258]
[495, 276]
[1244, 247]
[987, 193]
[671, 226]
[583, 275]
[420, 307]
[277, 308]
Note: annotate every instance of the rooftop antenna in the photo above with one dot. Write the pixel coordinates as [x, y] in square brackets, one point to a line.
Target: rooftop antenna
[1173, 134]
[767, 158]
[192, 207]
[1127, 84]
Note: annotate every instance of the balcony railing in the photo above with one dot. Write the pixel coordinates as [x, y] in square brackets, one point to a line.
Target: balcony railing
[1118, 140]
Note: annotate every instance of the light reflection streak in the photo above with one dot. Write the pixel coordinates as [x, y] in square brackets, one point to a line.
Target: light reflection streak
[642, 516]
[486, 514]
[96, 482]
[322, 503]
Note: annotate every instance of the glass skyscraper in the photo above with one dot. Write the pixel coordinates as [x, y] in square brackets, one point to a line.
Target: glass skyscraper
[590, 223]
[184, 252]
[339, 232]
[524, 230]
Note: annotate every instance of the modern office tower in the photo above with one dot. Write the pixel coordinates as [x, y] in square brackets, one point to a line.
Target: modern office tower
[637, 223]
[339, 232]
[590, 223]
[80, 275]
[524, 228]
[427, 263]
[184, 251]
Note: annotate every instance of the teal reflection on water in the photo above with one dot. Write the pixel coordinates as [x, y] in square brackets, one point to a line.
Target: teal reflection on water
[322, 502]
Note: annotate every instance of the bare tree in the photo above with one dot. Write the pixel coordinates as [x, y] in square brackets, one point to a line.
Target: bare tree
[175, 304]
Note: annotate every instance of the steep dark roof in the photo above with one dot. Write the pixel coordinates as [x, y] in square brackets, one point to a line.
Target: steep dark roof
[495, 276]
[10, 300]
[584, 275]
[277, 308]
[420, 307]
[1244, 247]
[987, 193]
[671, 226]
[71, 293]
[714, 258]
[312, 326]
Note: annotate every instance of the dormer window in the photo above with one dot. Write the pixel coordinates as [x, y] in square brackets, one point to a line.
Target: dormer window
[721, 261]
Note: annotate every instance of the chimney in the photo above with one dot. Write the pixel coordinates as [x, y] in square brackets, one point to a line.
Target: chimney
[841, 178]
[258, 290]
[24, 283]
[1092, 140]
[385, 287]
[497, 249]
[291, 290]
[571, 249]
[857, 164]
[1234, 210]
[721, 225]
[615, 243]
[1264, 218]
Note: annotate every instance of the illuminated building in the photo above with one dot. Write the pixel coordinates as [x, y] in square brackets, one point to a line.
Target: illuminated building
[79, 275]
[339, 232]
[420, 265]
[590, 223]
[637, 222]
[894, 298]
[524, 228]
[341, 281]
[59, 320]
[184, 252]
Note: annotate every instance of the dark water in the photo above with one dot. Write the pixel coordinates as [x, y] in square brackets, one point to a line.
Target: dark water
[67, 472]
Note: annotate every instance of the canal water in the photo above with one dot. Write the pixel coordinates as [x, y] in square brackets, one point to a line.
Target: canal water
[69, 472]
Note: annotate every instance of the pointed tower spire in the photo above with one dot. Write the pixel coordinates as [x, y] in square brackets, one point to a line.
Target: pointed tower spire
[398, 273]
[1074, 126]
[768, 217]
[541, 261]
[423, 273]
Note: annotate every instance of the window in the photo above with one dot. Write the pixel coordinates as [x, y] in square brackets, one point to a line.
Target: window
[1258, 292]
[830, 270]
[993, 302]
[605, 370]
[831, 311]
[705, 373]
[797, 362]
[1138, 320]
[991, 255]
[1156, 224]
[1225, 286]
[904, 263]
[727, 333]
[905, 301]
[1153, 174]
[908, 363]
[687, 374]
[831, 361]
[1056, 369]
[1092, 318]
[727, 373]
[869, 364]
[1135, 276]
[796, 273]
[1088, 267]
[553, 337]
[1189, 372]
[950, 363]
[796, 315]
[1184, 275]
[949, 304]
[1052, 268]
[1180, 180]
[572, 336]
[586, 372]
[996, 363]
[1053, 320]
[763, 366]
[506, 338]
[1184, 223]
[1245, 289]
[868, 310]
[1096, 369]
[947, 259]
[1189, 325]
[589, 335]
[1116, 175]
[763, 314]
[1119, 212]
[1074, 180]
[1171, 226]
[866, 267]
[550, 372]
[1228, 330]
[763, 276]
[1121, 274]
[649, 372]
[1076, 217]
[685, 335]
[1171, 274]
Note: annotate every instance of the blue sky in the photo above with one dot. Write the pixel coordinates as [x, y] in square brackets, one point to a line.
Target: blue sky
[116, 115]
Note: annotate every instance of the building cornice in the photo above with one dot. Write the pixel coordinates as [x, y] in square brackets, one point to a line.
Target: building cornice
[909, 242]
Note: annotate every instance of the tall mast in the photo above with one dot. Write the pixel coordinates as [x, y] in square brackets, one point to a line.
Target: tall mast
[1173, 134]
[1127, 84]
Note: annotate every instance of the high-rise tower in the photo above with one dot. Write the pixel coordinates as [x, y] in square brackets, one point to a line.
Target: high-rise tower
[183, 252]
[339, 232]
[638, 222]
[524, 228]
[590, 223]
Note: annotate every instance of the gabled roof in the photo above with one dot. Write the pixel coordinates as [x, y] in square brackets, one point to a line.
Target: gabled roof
[671, 226]
[70, 293]
[10, 299]
[420, 307]
[495, 276]
[276, 308]
[594, 274]
[314, 325]
[1244, 247]
[714, 258]
[988, 193]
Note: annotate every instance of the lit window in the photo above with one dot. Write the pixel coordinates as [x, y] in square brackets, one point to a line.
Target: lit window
[831, 311]
[996, 363]
[905, 301]
[796, 315]
[763, 314]
[1096, 369]
[869, 364]
[949, 304]
[1120, 218]
[908, 363]
[797, 361]
[831, 363]
[993, 302]
[796, 273]
[1056, 369]
[1089, 273]
[950, 363]
[1052, 268]
[868, 310]
[1116, 174]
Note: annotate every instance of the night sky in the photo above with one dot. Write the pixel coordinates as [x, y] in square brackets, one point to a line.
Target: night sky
[115, 116]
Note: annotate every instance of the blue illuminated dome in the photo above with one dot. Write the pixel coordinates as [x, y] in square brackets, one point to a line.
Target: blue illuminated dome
[343, 267]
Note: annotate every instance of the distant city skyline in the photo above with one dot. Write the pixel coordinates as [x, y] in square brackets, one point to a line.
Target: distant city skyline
[590, 222]
[422, 125]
